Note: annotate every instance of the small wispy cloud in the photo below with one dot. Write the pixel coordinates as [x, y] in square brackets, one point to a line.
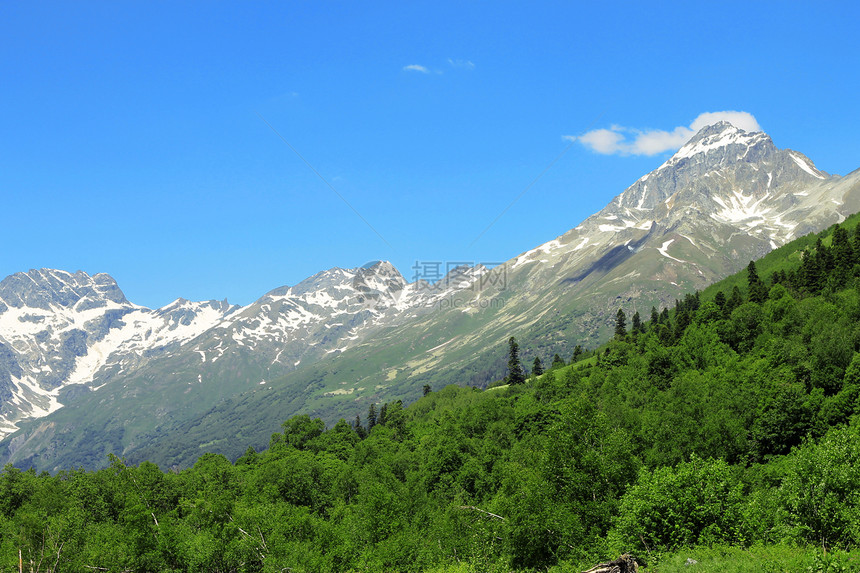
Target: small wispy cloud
[622, 140]
[416, 68]
[462, 64]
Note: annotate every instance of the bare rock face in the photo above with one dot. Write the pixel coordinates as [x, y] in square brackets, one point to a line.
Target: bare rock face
[40, 289]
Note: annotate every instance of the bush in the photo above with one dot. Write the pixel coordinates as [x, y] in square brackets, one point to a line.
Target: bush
[820, 495]
[695, 502]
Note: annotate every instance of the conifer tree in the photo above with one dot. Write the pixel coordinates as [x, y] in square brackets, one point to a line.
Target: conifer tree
[735, 300]
[515, 369]
[682, 321]
[371, 417]
[843, 256]
[810, 275]
[691, 302]
[757, 289]
[557, 361]
[359, 429]
[637, 323]
[537, 367]
[620, 325]
[577, 352]
[824, 256]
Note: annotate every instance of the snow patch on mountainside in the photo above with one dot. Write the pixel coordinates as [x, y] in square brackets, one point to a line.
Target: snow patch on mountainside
[803, 164]
[526, 257]
[663, 252]
[741, 208]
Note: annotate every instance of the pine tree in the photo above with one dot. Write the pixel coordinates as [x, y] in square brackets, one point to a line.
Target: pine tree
[682, 321]
[427, 389]
[757, 289]
[824, 256]
[810, 274]
[537, 367]
[620, 325]
[577, 352]
[843, 256]
[371, 417]
[655, 318]
[720, 300]
[557, 362]
[735, 300]
[637, 323]
[515, 369]
[359, 429]
[691, 302]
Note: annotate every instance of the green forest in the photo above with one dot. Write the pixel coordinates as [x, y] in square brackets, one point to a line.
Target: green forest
[718, 435]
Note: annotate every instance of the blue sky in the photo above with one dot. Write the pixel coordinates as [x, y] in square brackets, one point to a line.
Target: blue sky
[131, 138]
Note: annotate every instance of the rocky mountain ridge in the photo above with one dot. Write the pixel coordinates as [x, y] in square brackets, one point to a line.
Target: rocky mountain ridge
[346, 337]
[62, 332]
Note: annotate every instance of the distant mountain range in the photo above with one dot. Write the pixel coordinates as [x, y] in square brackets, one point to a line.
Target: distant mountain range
[84, 372]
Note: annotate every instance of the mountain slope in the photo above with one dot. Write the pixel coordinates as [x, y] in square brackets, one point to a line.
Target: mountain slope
[727, 197]
[342, 339]
[58, 329]
[63, 336]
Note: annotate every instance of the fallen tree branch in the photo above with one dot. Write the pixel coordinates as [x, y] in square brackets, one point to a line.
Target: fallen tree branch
[624, 564]
[484, 511]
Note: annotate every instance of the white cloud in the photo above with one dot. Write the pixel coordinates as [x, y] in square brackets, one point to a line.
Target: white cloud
[464, 64]
[616, 140]
[601, 140]
[416, 68]
[739, 119]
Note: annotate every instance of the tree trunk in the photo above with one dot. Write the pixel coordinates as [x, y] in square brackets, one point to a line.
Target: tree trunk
[624, 564]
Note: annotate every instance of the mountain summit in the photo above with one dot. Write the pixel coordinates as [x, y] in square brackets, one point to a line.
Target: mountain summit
[136, 378]
[45, 287]
[727, 196]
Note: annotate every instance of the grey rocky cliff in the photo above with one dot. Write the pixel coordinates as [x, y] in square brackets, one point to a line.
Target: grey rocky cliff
[63, 334]
[42, 288]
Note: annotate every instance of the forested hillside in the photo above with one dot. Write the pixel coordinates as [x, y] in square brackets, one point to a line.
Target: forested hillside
[723, 428]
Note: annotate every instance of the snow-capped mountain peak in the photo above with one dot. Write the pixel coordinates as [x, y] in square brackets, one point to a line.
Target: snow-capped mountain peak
[726, 197]
[719, 135]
